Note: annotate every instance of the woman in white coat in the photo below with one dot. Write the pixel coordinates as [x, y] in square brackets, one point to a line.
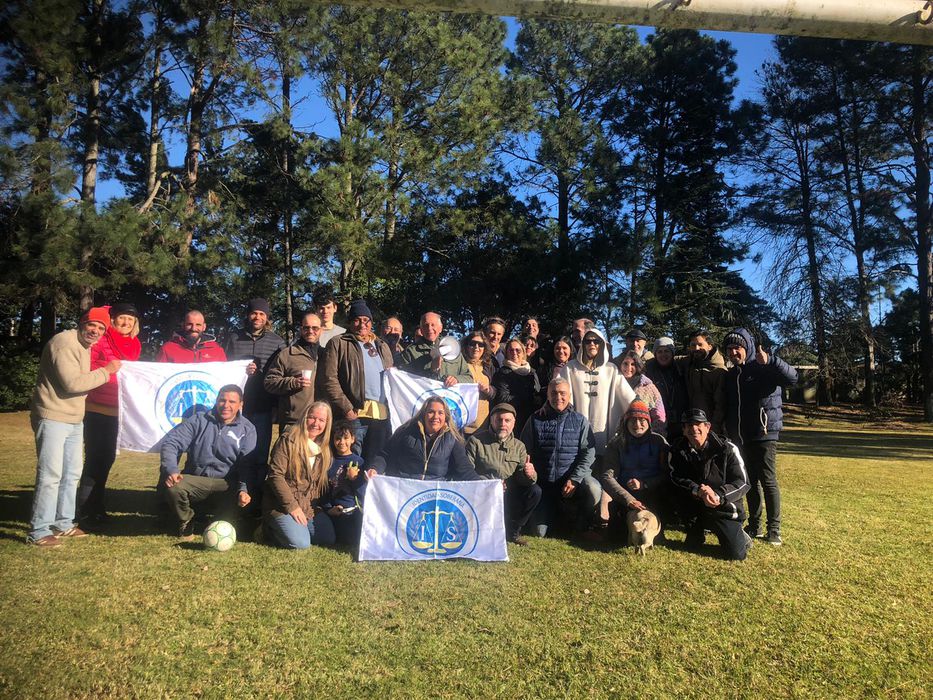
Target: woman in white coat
[598, 390]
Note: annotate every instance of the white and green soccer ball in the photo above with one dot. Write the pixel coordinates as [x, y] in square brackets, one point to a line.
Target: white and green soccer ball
[219, 536]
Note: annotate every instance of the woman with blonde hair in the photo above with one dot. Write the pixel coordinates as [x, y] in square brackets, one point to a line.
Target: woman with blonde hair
[297, 483]
[428, 447]
[119, 342]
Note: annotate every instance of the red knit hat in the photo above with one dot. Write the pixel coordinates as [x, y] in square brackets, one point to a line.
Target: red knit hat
[101, 314]
[638, 409]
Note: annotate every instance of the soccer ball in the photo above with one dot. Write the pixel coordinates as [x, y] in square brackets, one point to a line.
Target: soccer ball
[219, 536]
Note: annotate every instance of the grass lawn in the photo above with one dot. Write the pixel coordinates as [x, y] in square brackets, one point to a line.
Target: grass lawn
[843, 609]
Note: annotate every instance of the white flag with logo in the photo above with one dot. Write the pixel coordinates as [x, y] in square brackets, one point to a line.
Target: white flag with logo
[416, 520]
[157, 396]
[406, 392]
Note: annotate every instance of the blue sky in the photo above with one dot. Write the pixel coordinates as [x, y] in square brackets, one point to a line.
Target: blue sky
[312, 116]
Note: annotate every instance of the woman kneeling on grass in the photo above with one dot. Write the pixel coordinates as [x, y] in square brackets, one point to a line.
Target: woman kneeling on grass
[297, 483]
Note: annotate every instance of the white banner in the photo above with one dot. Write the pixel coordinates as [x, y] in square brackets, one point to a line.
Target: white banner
[157, 396]
[417, 520]
[406, 392]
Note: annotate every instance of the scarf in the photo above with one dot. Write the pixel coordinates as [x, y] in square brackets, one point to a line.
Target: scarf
[522, 369]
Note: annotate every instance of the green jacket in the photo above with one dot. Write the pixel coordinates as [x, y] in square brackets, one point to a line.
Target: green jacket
[416, 359]
[498, 459]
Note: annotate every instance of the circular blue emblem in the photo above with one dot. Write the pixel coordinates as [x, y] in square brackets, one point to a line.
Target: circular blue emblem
[455, 402]
[437, 523]
[183, 395]
[437, 527]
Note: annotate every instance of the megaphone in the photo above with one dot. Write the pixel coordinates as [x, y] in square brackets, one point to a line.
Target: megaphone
[448, 348]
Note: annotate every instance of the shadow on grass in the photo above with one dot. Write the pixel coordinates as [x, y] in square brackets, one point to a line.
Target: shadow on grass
[844, 444]
[134, 513]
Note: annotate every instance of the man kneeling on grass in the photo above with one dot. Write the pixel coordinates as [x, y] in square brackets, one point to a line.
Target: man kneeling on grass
[710, 481]
[218, 442]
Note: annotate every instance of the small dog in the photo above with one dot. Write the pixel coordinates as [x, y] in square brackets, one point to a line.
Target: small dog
[643, 527]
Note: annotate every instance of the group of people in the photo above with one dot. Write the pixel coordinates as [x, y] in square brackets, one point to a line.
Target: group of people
[577, 437]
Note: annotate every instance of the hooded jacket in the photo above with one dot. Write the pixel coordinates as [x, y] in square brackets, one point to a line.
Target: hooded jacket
[111, 346]
[205, 349]
[601, 394]
[754, 410]
[214, 449]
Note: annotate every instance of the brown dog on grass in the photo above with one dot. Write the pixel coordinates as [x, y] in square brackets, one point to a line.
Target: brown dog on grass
[643, 527]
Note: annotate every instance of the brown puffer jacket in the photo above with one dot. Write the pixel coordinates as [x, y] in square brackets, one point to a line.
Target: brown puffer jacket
[706, 385]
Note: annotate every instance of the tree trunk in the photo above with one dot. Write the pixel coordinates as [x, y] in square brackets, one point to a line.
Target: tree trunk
[47, 324]
[924, 224]
[824, 378]
[854, 181]
[564, 281]
[27, 318]
[155, 112]
[287, 230]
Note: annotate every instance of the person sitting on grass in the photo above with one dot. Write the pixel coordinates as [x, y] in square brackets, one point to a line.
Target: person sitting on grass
[347, 480]
[710, 482]
[297, 489]
[635, 470]
[428, 447]
[561, 445]
[497, 454]
[220, 445]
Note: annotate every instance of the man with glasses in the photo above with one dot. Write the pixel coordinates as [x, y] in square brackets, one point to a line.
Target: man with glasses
[292, 372]
[351, 381]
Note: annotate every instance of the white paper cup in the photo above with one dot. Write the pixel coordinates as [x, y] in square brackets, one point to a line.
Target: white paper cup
[306, 374]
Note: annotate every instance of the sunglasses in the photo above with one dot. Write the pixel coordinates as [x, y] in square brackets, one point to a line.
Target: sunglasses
[310, 328]
[591, 341]
[476, 344]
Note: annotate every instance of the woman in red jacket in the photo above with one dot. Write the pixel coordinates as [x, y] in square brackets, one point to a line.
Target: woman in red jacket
[100, 420]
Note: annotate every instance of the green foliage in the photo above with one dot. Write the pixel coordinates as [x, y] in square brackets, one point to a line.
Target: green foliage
[19, 367]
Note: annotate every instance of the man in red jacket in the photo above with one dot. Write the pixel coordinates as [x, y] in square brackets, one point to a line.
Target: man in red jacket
[192, 344]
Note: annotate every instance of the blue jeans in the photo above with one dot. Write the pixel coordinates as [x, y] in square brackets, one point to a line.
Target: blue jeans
[287, 532]
[59, 449]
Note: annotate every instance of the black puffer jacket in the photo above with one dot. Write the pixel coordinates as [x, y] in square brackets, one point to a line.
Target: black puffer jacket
[753, 395]
[260, 349]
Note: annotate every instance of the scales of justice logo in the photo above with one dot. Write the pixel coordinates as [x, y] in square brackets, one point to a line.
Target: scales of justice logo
[457, 405]
[437, 523]
[182, 395]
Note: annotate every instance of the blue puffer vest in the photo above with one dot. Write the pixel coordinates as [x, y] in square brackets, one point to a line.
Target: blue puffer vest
[556, 442]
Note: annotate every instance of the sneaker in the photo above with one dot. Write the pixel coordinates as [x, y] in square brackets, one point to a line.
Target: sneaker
[753, 531]
[72, 532]
[774, 537]
[519, 540]
[186, 531]
[47, 542]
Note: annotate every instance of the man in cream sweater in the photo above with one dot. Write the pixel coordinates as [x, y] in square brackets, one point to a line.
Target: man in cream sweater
[57, 416]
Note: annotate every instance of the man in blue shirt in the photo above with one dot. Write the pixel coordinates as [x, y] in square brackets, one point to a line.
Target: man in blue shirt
[219, 443]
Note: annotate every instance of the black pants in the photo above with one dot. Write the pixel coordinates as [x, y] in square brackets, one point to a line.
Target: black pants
[761, 465]
[100, 450]
[520, 502]
[731, 536]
